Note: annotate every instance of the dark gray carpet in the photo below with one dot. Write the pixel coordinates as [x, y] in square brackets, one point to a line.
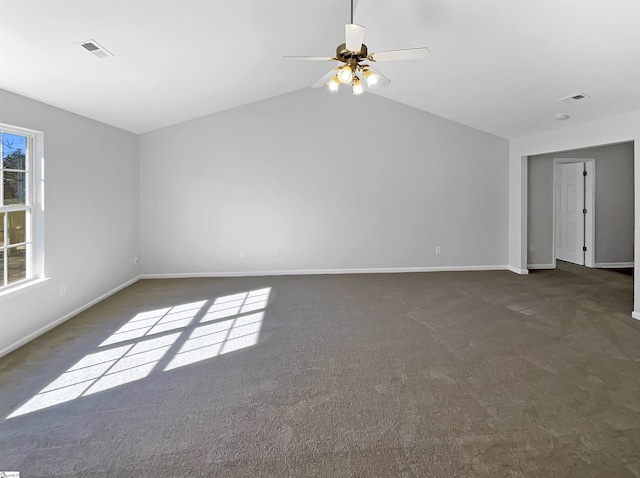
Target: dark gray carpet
[480, 374]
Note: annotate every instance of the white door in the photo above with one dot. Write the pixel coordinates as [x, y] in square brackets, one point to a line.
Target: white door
[569, 203]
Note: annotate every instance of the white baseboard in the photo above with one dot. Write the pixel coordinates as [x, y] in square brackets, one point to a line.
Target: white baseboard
[66, 317]
[613, 265]
[635, 315]
[540, 266]
[388, 270]
[518, 271]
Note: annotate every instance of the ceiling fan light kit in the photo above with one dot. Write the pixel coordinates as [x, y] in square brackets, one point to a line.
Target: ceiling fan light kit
[334, 83]
[345, 74]
[371, 77]
[353, 52]
[356, 86]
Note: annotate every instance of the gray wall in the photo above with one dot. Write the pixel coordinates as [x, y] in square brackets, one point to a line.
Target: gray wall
[313, 181]
[91, 215]
[614, 203]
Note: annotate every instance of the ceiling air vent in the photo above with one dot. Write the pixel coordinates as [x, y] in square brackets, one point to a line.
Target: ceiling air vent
[576, 97]
[94, 47]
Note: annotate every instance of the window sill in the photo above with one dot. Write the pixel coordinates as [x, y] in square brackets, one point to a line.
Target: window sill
[18, 289]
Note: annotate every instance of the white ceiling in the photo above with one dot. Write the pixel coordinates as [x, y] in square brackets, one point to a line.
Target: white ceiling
[496, 65]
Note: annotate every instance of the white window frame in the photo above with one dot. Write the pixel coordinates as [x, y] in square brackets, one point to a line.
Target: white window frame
[34, 208]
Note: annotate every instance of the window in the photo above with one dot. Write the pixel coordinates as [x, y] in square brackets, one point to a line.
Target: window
[18, 215]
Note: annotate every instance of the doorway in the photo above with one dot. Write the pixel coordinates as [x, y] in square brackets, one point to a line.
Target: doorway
[574, 210]
[609, 203]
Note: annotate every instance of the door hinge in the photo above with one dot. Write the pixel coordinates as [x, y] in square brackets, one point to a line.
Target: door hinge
[584, 211]
[584, 248]
[584, 173]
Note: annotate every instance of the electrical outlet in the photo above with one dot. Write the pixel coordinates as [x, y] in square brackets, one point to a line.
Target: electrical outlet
[437, 249]
[242, 254]
[63, 290]
[136, 260]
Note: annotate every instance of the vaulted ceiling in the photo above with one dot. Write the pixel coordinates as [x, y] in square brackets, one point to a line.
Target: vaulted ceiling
[496, 65]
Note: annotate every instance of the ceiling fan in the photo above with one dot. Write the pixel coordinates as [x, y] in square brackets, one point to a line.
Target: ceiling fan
[353, 54]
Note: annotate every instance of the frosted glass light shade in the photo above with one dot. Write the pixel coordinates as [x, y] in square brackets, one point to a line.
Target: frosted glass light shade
[371, 77]
[334, 83]
[345, 75]
[356, 87]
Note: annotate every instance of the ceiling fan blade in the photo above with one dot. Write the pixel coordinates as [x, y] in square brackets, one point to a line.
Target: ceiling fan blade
[408, 54]
[325, 79]
[309, 58]
[355, 36]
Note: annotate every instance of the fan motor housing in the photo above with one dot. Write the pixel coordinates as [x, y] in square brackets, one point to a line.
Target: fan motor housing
[345, 55]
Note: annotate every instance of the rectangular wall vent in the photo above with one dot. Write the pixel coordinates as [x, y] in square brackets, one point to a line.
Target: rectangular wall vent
[576, 97]
[95, 48]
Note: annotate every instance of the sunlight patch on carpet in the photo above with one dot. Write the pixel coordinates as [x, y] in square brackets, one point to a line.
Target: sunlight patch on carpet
[176, 336]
